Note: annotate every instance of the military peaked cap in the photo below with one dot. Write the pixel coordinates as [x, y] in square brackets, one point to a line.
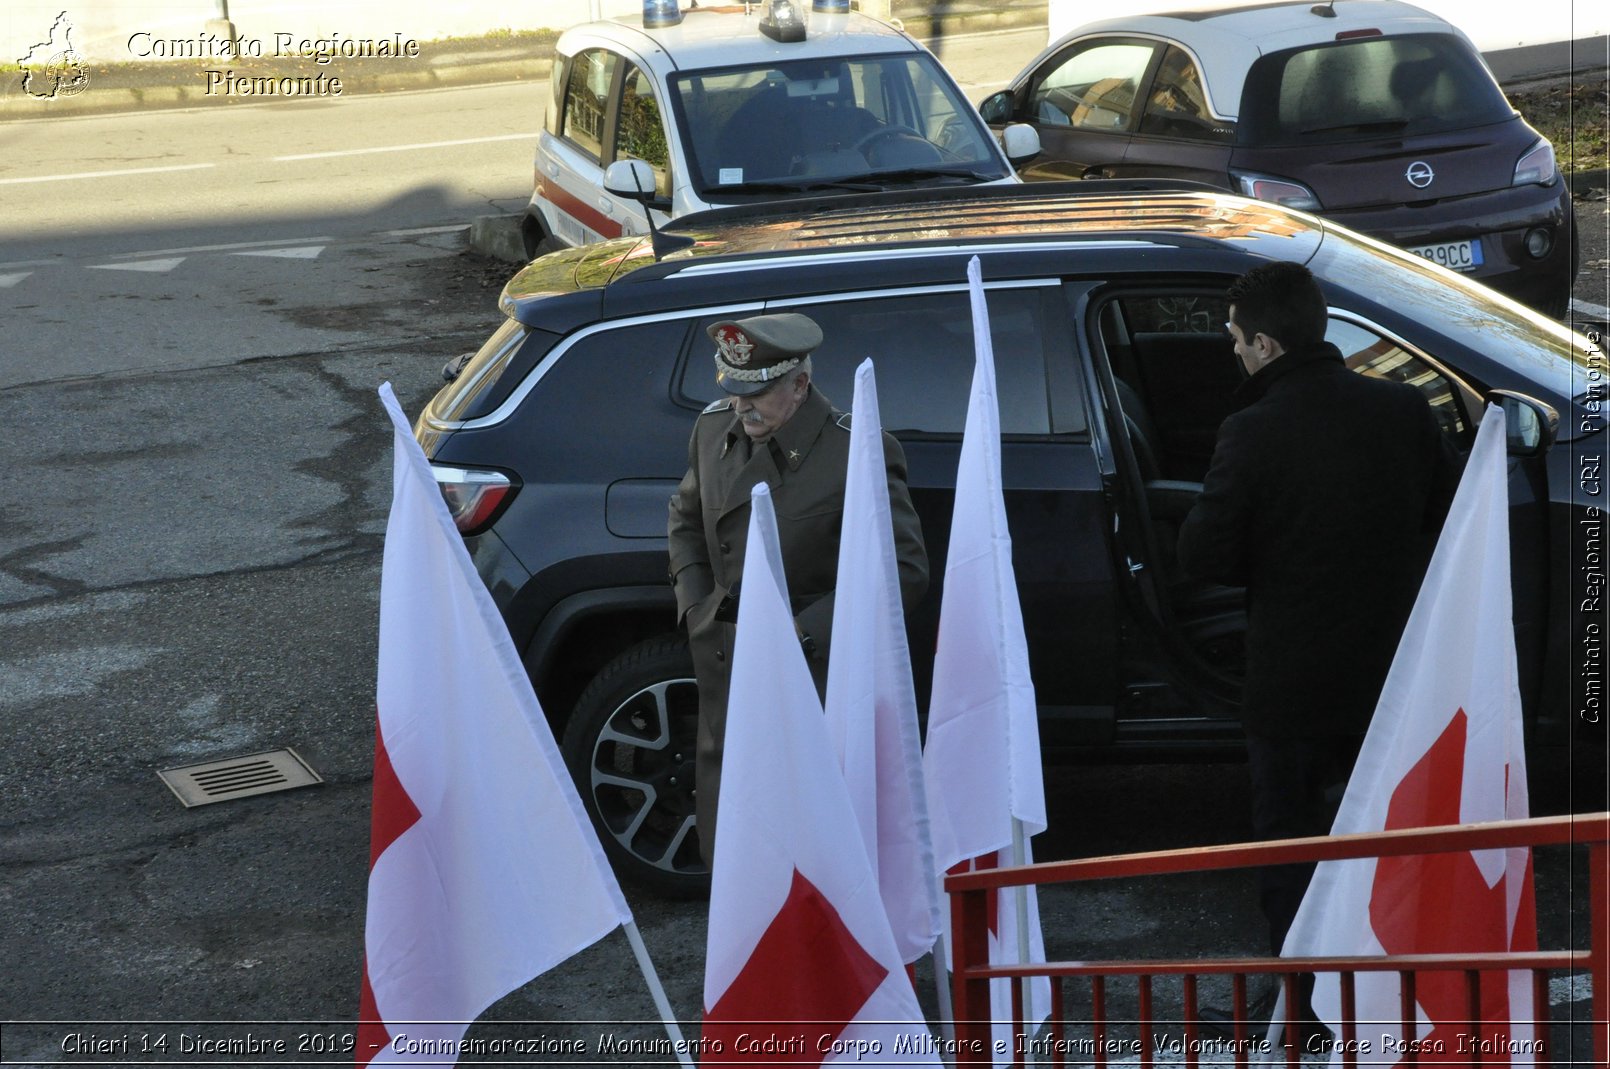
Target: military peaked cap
[753, 353]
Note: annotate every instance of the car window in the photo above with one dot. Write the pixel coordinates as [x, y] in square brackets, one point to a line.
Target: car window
[639, 133]
[1177, 375]
[1556, 359]
[1368, 353]
[922, 349]
[824, 120]
[1177, 104]
[586, 100]
[556, 87]
[1367, 87]
[1093, 88]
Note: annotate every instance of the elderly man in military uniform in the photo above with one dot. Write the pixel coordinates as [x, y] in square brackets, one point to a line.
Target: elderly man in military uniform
[773, 427]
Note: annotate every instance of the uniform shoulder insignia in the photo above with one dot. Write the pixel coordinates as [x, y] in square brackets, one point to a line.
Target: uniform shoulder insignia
[720, 404]
[843, 420]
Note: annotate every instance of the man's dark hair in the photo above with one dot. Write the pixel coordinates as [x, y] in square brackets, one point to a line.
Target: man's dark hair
[1280, 300]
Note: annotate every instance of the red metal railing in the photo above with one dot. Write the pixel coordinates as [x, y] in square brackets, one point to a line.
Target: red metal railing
[972, 972]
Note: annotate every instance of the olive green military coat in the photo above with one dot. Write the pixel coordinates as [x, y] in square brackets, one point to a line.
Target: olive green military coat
[804, 464]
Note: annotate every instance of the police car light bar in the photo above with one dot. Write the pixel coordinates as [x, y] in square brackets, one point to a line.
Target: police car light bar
[660, 13]
[831, 7]
[782, 22]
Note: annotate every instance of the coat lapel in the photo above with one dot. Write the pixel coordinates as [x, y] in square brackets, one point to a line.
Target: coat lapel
[740, 475]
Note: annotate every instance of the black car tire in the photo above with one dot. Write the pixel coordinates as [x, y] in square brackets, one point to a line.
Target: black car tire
[629, 745]
[535, 240]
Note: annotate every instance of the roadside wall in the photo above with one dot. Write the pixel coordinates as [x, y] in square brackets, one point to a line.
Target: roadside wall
[117, 31]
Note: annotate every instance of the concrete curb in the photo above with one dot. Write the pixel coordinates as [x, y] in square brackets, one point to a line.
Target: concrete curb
[498, 236]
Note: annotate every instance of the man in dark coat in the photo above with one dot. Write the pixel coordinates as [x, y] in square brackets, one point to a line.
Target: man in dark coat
[1323, 499]
[773, 427]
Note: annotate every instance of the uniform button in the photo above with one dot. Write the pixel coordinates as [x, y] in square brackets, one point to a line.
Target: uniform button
[720, 656]
[725, 548]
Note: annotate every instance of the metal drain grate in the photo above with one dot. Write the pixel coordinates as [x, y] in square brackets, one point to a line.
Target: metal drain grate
[239, 777]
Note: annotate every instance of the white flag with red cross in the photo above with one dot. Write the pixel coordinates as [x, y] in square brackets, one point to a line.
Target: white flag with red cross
[483, 868]
[981, 764]
[801, 966]
[871, 700]
[1445, 747]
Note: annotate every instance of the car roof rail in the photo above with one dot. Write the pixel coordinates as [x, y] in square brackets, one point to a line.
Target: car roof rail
[797, 207]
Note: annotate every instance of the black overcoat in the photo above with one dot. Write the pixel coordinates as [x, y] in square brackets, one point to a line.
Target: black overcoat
[1323, 499]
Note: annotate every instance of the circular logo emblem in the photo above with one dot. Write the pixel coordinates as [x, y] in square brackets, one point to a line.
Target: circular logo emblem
[734, 345]
[63, 76]
[1419, 174]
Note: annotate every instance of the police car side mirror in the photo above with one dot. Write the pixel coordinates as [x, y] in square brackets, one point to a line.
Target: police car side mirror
[631, 179]
[634, 180]
[1021, 142]
[1529, 424]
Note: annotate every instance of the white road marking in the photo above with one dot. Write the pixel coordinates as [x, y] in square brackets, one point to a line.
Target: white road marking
[304, 252]
[29, 263]
[425, 230]
[404, 148]
[106, 174]
[142, 265]
[218, 248]
[7, 281]
[1590, 310]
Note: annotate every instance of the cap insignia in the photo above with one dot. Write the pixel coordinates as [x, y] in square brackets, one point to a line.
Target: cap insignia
[735, 346]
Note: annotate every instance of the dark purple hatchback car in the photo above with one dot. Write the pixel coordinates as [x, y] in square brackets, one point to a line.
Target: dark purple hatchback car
[1373, 113]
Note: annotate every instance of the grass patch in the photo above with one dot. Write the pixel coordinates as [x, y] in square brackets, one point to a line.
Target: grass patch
[1572, 116]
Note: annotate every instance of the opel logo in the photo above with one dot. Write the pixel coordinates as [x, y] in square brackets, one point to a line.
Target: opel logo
[1419, 174]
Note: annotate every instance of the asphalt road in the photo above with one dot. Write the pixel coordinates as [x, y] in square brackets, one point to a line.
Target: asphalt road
[199, 308]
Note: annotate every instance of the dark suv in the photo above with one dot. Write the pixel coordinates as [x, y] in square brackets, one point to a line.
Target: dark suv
[560, 442]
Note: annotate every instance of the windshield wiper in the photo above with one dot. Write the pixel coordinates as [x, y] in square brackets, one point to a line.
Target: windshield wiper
[1381, 126]
[917, 174]
[802, 185]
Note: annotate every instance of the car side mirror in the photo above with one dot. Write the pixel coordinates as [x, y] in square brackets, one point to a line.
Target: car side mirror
[631, 179]
[997, 107]
[1021, 142]
[1529, 424]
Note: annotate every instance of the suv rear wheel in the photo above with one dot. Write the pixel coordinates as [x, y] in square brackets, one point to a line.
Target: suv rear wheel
[629, 744]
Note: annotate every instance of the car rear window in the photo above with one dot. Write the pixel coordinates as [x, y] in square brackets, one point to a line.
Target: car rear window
[1369, 87]
[486, 380]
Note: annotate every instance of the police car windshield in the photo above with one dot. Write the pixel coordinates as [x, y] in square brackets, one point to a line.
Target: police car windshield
[751, 130]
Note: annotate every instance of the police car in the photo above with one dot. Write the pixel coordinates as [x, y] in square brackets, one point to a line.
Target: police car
[683, 111]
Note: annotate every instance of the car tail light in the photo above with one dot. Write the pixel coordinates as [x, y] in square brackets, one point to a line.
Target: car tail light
[1353, 35]
[1282, 191]
[474, 496]
[1537, 166]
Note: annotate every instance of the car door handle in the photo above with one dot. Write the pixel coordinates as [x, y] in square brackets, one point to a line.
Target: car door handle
[606, 205]
[1094, 172]
[552, 168]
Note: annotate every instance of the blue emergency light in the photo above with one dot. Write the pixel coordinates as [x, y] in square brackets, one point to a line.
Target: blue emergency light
[831, 7]
[782, 22]
[660, 13]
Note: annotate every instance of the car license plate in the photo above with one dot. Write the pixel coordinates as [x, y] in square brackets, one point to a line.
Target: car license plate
[1459, 255]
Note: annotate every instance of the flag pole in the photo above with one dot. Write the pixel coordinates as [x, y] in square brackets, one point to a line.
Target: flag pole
[1023, 929]
[657, 991]
[947, 1016]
